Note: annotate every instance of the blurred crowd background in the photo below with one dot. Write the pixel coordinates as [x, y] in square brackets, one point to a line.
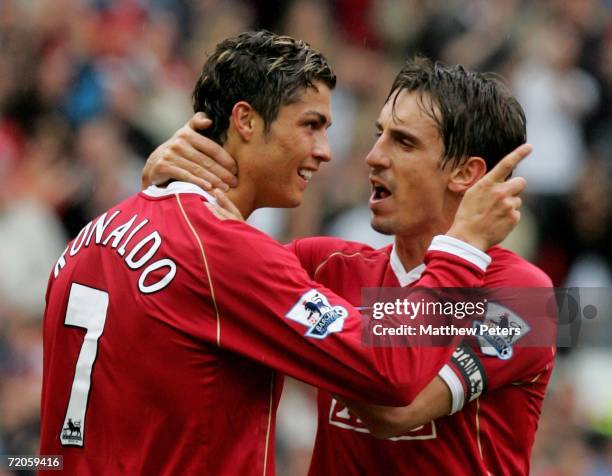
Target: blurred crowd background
[88, 88]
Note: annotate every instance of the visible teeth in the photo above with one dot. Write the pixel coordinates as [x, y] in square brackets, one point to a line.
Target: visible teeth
[381, 192]
[305, 174]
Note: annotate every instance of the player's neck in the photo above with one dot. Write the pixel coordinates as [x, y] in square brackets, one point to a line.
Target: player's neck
[411, 248]
[242, 198]
[412, 245]
[244, 194]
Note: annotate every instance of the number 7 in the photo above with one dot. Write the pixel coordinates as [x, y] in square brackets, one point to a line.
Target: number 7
[87, 308]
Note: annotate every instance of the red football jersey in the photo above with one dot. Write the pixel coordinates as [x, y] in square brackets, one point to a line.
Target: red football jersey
[164, 330]
[499, 400]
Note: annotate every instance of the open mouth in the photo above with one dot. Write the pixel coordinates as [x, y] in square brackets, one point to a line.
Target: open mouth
[380, 193]
[305, 174]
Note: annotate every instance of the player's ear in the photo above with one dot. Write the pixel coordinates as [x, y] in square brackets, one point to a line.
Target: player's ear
[467, 174]
[243, 120]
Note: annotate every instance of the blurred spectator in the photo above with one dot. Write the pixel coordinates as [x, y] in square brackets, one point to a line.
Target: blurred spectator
[556, 95]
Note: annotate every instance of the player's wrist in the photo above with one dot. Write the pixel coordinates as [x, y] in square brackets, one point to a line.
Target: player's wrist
[461, 248]
[473, 239]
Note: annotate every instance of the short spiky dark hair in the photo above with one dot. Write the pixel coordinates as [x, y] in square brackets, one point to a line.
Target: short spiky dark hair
[475, 112]
[262, 68]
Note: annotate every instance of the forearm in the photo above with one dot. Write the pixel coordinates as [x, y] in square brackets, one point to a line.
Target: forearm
[387, 422]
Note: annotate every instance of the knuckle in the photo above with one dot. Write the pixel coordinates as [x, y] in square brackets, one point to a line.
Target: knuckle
[175, 145]
[192, 168]
[506, 165]
[164, 162]
[225, 175]
[185, 175]
[162, 168]
[484, 184]
[499, 194]
[183, 133]
[217, 150]
[206, 175]
[166, 154]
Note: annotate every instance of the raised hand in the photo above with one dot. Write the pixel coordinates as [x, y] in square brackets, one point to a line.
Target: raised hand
[489, 210]
[188, 156]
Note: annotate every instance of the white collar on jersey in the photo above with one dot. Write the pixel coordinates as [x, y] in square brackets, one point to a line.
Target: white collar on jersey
[178, 187]
[404, 277]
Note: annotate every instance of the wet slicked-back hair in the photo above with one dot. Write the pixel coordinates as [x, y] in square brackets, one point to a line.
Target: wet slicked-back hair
[475, 112]
[264, 69]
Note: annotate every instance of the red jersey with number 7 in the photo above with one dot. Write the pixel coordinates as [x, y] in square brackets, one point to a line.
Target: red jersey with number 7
[165, 329]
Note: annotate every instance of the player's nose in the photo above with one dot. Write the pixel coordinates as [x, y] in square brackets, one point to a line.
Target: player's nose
[322, 149]
[377, 158]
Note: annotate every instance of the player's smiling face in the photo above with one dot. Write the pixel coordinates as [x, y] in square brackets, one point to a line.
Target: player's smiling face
[290, 153]
[408, 185]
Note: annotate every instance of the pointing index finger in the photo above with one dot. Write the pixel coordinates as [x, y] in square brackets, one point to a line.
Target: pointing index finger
[505, 166]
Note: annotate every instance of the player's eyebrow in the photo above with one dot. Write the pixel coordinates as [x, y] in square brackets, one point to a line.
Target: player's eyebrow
[321, 118]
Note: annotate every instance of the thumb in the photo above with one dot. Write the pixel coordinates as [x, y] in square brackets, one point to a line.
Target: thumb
[199, 121]
[227, 205]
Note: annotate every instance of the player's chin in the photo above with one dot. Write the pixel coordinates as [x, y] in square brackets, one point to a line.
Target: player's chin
[382, 225]
[291, 200]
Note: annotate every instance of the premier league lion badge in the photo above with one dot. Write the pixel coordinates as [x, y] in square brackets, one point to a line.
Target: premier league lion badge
[500, 330]
[315, 312]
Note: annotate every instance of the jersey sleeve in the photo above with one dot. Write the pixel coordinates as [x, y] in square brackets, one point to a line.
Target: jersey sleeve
[268, 309]
[312, 251]
[484, 366]
[303, 253]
